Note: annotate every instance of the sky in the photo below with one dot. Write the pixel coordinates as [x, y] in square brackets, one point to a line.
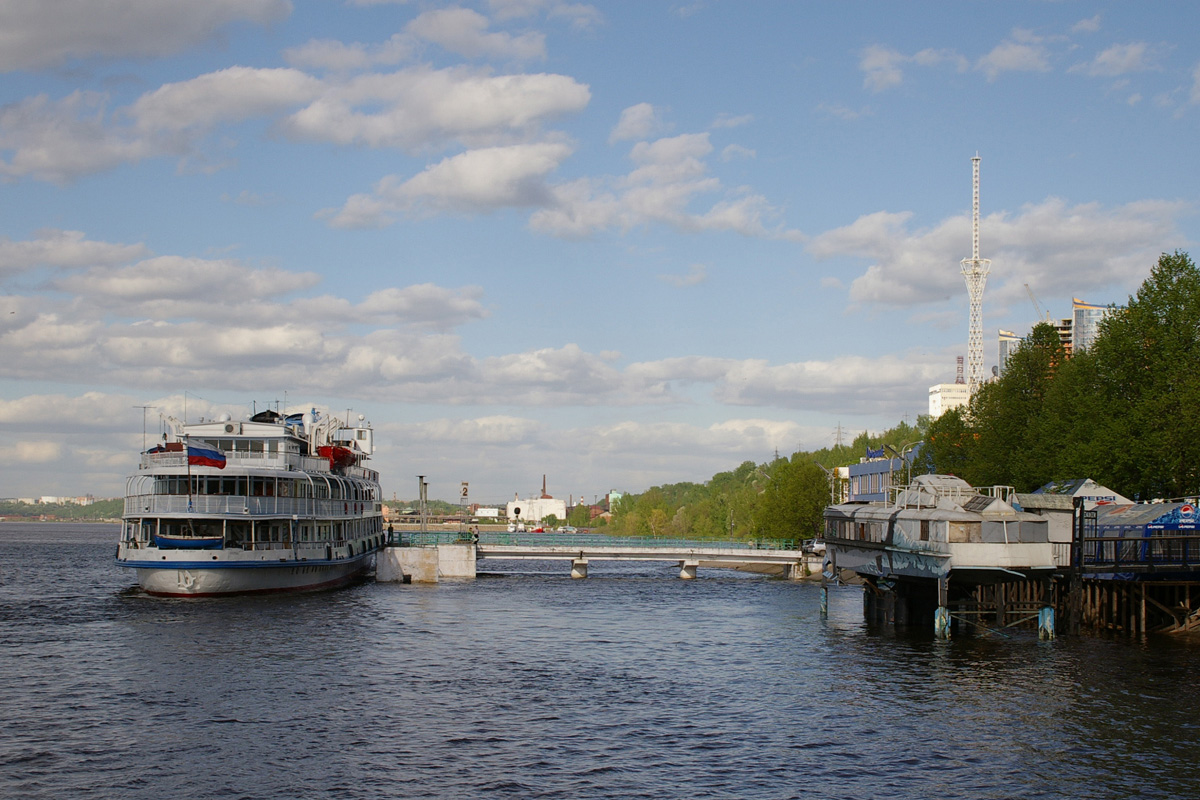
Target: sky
[614, 244]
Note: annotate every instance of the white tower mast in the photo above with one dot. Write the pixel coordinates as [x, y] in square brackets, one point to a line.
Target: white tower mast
[975, 272]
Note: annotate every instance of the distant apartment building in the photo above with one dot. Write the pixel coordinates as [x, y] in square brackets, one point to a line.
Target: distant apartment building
[1085, 323]
[945, 396]
[1076, 333]
[1008, 342]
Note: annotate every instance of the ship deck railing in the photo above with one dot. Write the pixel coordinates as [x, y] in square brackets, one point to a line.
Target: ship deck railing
[221, 505]
[262, 460]
[956, 494]
[289, 546]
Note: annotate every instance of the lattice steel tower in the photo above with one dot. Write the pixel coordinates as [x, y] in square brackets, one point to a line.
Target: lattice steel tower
[975, 272]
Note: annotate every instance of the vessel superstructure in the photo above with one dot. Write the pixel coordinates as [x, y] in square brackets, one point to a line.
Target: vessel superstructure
[939, 527]
[274, 503]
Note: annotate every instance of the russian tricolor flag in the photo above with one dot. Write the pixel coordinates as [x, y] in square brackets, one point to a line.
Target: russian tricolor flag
[200, 455]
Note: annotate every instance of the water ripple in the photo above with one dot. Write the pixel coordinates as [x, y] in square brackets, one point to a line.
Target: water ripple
[528, 684]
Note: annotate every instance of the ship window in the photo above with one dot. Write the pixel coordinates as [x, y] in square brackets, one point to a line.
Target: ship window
[924, 530]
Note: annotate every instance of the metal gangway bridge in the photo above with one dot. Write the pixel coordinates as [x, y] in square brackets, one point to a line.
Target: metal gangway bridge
[413, 554]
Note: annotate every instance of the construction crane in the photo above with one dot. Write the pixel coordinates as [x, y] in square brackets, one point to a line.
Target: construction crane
[1043, 316]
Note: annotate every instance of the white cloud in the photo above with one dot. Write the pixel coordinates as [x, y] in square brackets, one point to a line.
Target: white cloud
[580, 16]
[883, 67]
[736, 151]
[91, 411]
[23, 453]
[668, 176]
[63, 249]
[731, 121]
[475, 181]
[1063, 248]
[465, 32]
[423, 304]
[330, 54]
[1014, 56]
[152, 323]
[418, 108]
[696, 274]
[843, 112]
[59, 141]
[174, 278]
[1089, 25]
[1194, 96]
[479, 432]
[229, 95]
[1119, 59]
[637, 122]
[35, 35]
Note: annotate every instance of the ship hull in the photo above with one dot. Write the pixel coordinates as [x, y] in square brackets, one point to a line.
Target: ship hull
[198, 579]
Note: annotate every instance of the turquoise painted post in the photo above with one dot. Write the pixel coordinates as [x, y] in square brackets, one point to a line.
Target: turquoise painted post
[941, 623]
[941, 617]
[824, 600]
[1046, 623]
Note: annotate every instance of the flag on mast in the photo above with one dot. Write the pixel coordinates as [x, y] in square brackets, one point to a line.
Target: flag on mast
[201, 455]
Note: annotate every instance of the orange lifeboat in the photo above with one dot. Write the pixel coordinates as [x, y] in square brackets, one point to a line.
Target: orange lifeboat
[338, 456]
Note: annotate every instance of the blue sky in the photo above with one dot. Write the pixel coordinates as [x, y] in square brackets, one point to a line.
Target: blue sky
[616, 244]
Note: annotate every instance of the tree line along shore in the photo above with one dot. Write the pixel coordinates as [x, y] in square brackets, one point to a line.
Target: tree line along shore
[1124, 412]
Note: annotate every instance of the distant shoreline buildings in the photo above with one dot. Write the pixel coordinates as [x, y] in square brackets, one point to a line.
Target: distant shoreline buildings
[51, 500]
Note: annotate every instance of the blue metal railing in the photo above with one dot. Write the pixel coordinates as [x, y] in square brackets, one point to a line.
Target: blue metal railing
[423, 538]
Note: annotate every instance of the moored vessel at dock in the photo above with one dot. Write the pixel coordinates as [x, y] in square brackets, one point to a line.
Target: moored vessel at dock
[271, 504]
[928, 551]
[940, 527]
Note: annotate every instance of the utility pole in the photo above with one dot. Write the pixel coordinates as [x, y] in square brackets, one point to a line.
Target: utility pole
[423, 491]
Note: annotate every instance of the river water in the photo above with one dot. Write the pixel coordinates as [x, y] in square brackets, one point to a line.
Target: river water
[527, 684]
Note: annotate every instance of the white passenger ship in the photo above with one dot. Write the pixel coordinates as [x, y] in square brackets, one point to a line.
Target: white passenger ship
[271, 504]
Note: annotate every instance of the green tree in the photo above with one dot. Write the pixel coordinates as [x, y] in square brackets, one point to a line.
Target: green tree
[580, 516]
[1146, 368]
[793, 501]
[947, 447]
[1004, 414]
[1071, 435]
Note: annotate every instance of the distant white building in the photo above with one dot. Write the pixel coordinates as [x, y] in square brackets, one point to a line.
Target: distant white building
[945, 396]
[47, 499]
[1006, 344]
[536, 509]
